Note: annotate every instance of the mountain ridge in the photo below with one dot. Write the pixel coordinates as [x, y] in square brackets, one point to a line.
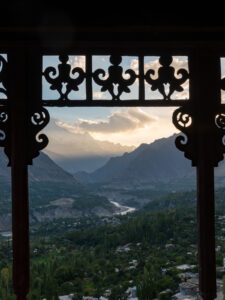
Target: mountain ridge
[154, 163]
[43, 170]
[148, 162]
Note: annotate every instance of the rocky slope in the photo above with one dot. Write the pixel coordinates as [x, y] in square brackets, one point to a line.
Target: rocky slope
[156, 162]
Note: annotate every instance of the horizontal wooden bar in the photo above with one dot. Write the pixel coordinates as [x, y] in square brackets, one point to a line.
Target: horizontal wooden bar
[114, 49]
[52, 45]
[109, 103]
[121, 103]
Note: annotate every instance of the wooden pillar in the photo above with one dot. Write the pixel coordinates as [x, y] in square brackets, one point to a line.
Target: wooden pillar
[206, 227]
[207, 97]
[20, 208]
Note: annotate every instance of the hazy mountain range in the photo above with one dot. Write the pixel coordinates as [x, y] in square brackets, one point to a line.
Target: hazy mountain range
[158, 162]
[79, 151]
[151, 164]
[55, 193]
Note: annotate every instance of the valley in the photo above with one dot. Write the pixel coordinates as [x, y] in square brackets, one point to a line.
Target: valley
[153, 249]
[129, 227]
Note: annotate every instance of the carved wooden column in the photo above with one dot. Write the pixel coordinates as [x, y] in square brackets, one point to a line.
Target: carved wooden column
[203, 145]
[20, 207]
[207, 102]
[27, 117]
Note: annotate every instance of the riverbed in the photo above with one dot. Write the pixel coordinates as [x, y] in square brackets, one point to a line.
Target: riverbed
[124, 209]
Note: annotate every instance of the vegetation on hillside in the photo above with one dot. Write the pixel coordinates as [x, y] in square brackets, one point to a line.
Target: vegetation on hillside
[142, 250]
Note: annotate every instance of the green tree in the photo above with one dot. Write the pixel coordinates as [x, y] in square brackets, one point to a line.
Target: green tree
[5, 278]
[146, 287]
[224, 287]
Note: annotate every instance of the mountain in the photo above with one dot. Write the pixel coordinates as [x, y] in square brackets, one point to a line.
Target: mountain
[53, 194]
[112, 169]
[152, 164]
[4, 170]
[43, 170]
[158, 161]
[79, 151]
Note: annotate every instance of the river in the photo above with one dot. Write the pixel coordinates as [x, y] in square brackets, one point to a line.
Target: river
[6, 234]
[124, 209]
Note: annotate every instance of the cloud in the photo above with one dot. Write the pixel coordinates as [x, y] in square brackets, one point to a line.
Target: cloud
[98, 95]
[120, 121]
[223, 96]
[177, 63]
[78, 61]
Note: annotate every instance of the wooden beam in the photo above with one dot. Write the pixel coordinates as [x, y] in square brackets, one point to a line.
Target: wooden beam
[206, 93]
[20, 206]
[206, 228]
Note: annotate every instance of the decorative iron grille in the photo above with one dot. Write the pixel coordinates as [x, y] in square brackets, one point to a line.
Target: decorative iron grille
[114, 82]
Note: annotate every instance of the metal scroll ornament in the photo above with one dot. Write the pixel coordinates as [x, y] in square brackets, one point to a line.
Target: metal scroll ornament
[183, 121]
[63, 83]
[115, 78]
[38, 141]
[166, 76]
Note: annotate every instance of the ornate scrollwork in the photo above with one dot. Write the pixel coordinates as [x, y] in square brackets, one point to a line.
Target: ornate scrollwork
[166, 76]
[220, 121]
[183, 120]
[4, 131]
[219, 137]
[37, 121]
[115, 78]
[3, 76]
[63, 83]
[3, 122]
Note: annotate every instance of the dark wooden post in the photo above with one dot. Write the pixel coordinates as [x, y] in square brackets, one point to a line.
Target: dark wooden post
[206, 231]
[20, 208]
[206, 100]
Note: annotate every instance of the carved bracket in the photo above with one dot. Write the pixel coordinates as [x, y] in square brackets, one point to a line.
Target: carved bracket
[4, 111]
[4, 131]
[38, 119]
[219, 136]
[183, 120]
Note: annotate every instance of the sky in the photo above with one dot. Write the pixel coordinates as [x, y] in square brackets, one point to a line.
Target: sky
[127, 126]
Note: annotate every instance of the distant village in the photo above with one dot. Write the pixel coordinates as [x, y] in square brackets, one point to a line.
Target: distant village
[188, 288]
[187, 272]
